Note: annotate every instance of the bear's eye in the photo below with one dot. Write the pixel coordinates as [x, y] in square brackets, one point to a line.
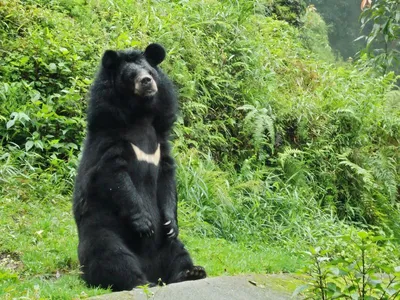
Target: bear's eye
[132, 76]
[153, 73]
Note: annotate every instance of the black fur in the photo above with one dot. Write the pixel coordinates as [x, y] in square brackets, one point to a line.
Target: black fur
[125, 209]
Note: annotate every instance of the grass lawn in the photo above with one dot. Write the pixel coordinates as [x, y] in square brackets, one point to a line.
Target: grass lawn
[38, 248]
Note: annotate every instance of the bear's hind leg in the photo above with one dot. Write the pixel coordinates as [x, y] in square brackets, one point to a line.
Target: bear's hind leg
[178, 265]
[117, 268]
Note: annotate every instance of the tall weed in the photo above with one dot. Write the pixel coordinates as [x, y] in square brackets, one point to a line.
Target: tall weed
[274, 141]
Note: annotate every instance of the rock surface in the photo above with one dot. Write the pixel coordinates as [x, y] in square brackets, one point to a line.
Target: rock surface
[243, 287]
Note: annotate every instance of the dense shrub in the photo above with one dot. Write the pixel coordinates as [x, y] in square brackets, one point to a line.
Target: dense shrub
[290, 11]
[280, 139]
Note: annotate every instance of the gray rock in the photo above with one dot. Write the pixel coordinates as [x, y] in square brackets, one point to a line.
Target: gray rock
[243, 287]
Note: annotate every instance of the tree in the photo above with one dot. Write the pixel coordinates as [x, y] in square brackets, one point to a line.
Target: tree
[382, 23]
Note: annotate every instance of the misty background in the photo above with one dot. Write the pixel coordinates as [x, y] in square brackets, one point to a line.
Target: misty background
[342, 18]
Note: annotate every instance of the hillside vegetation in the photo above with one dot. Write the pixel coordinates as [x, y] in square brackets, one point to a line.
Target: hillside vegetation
[278, 147]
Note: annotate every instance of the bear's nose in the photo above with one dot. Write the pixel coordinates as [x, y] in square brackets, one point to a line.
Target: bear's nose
[145, 80]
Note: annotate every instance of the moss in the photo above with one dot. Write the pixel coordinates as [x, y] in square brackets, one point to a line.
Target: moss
[279, 282]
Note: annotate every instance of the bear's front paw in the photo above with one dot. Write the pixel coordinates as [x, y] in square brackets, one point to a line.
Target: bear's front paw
[171, 229]
[142, 224]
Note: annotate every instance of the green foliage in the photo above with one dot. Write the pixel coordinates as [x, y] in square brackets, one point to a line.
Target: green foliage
[357, 266]
[249, 205]
[314, 33]
[277, 147]
[383, 39]
[38, 248]
[290, 11]
[262, 105]
[256, 123]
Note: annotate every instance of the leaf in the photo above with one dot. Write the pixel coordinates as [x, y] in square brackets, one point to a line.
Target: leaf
[337, 294]
[10, 123]
[335, 271]
[371, 298]
[23, 116]
[24, 60]
[332, 287]
[380, 238]
[253, 282]
[359, 38]
[28, 145]
[315, 250]
[72, 145]
[374, 282]
[323, 258]
[390, 291]
[35, 97]
[52, 67]
[355, 296]
[39, 144]
[362, 235]
[64, 50]
[300, 289]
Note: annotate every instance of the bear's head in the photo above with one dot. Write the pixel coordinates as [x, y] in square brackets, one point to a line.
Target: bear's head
[135, 72]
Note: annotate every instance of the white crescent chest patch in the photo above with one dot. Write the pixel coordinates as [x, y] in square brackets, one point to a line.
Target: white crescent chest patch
[152, 158]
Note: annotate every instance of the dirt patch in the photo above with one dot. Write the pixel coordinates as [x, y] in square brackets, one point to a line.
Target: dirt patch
[10, 261]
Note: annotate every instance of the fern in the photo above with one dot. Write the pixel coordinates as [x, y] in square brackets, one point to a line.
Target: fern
[289, 153]
[393, 101]
[365, 175]
[258, 121]
[384, 170]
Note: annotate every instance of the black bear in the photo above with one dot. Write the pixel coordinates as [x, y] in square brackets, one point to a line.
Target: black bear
[125, 199]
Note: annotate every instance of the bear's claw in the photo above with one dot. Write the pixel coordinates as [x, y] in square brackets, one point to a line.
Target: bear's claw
[197, 272]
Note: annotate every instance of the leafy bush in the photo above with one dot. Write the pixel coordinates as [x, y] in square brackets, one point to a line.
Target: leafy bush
[357, 266]
[382, 23]
[314, 33]
[276, 145]
[271, 133]
[290, 11]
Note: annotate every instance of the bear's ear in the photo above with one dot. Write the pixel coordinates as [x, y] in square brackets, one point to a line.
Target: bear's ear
[154, 53]
[110, 59]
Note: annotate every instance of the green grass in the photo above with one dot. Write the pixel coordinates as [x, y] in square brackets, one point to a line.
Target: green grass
[38, 248]
[220, 257]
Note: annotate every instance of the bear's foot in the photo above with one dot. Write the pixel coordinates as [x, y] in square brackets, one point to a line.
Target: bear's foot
[196, 273]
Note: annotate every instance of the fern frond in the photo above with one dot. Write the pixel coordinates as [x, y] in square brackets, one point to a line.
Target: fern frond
[257, 121]
[289, 153]
[366, 175]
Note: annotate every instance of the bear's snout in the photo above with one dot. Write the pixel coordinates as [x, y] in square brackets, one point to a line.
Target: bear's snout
[146, 80]
[145, 85]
